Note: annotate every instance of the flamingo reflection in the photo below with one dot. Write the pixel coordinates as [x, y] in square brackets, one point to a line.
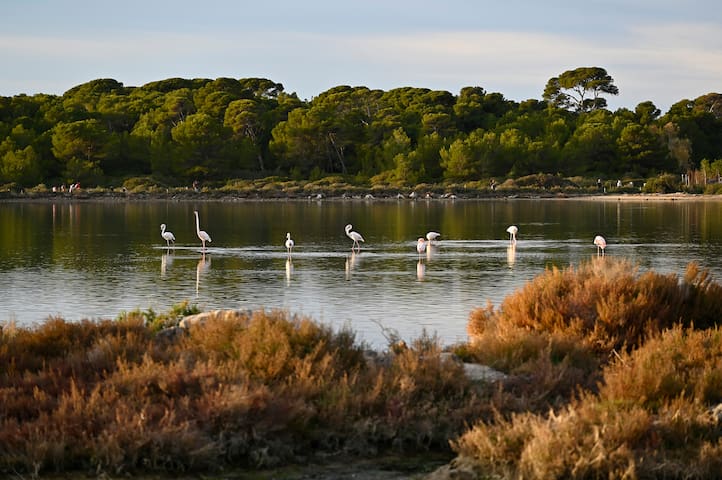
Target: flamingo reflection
[166, 260]
[289, 270]
[204, 264]
[420, 270]
[431, 250]
[351, 262]
[511, 255]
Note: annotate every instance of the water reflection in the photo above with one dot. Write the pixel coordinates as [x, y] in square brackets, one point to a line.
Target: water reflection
[420, 270]
[289, 270]
[79, 259]
[166, 260]
[511, 255]
[352, 262]
[431, 250]
[204, 264]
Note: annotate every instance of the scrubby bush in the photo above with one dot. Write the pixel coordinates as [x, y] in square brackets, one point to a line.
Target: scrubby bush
[554, 333]
[615, 373]
[657, 415]
[606, 305]
[242, 389]
[666, 183]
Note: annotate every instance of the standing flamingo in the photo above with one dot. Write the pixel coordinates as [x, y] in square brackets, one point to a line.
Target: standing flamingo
[167, 236]
[355, 236]
[202, 235]
[421, 245]
[431, 236]
[601, 244]
[289, 243]
[513, 229]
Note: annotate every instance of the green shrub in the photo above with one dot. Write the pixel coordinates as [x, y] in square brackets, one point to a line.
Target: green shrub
[666, 183]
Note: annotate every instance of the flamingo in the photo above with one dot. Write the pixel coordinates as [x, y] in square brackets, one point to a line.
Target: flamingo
[513, 229]
[289, 243]
[355, 236]
[202, 235]
[601, 244]
[421, 245]
[431, 236]
[167, 236]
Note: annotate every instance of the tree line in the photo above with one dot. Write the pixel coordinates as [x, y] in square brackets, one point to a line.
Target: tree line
[181, 130]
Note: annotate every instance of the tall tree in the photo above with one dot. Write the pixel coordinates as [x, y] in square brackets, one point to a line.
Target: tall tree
[580, 89]
[81, 146]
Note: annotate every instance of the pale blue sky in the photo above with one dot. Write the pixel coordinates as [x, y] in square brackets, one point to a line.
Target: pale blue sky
[658, 50]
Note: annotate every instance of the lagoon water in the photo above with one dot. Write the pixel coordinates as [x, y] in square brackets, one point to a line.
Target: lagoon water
[97, 259]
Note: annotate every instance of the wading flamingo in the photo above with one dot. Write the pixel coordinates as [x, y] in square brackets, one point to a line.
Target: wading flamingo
[289, 243]
[202, 235]
[431, 236]
[355, 236]
[420, 245]
[601, 244]
[513, 229]
[167, 236]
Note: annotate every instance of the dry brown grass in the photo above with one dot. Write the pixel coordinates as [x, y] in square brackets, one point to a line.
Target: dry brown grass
[251, 390]
[656, 416]
[566, 323]
[655, 411]
[606, 303]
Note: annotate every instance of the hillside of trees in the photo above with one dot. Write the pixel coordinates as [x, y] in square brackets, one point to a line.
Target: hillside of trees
[181, 130]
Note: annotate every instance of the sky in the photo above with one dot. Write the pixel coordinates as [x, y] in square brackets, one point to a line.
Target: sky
[662, 51]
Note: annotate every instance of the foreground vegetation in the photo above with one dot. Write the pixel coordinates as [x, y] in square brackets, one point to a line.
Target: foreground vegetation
[243, 391]
[610, 372]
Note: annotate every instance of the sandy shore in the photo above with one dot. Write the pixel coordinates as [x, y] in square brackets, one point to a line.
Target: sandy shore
[652, 197]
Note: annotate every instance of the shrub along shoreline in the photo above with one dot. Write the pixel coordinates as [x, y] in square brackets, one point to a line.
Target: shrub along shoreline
[609, 372]
[279, 188]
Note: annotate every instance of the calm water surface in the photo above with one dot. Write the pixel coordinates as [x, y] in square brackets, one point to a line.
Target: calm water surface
[97, 259]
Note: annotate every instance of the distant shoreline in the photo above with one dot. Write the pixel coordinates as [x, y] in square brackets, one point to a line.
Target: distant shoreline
[230, 196]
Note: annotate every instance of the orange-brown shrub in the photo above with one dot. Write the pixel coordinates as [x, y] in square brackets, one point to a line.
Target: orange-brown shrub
[657, 415]
[255, 389]
[606, 304]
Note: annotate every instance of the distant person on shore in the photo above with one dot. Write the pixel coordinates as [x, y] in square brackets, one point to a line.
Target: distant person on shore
[195, 185]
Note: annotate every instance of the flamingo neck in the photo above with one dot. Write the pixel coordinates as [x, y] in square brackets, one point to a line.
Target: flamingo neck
[198, 225]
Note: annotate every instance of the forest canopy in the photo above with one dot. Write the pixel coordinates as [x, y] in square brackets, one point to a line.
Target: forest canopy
[181, 130]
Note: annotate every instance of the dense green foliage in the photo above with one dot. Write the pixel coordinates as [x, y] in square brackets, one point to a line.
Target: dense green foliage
[180, 130]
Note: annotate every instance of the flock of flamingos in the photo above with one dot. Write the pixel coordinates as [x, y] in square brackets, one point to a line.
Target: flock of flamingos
[421, 243]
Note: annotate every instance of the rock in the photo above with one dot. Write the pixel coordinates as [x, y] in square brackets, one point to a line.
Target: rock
[476, 372]
[201, 318]
[482, 373]
[197, 319]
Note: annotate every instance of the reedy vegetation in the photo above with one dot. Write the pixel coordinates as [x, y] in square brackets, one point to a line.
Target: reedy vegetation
[611, 373]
